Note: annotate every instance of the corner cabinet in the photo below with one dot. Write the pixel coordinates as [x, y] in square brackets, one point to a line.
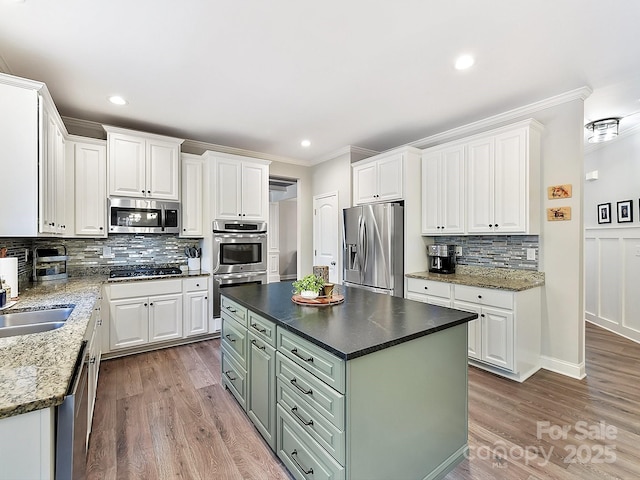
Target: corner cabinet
[193, 185]
[241, 186]
[143, 165]
[381, 178]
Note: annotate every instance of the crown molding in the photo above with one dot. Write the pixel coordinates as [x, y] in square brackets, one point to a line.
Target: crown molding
[581, 93]
[348, 150]
[88, 128]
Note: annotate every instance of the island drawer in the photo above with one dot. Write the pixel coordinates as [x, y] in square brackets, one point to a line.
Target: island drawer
[234, 338]
[235, 311]
[234, 377]
[429, 287]
[484, 296]
[307, 388]
[331, 438]
[195, 284]
[327, 367]
[301, 454]
[262, 328]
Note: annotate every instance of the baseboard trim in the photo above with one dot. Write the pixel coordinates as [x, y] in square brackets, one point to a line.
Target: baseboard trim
[573, 370]
[449, 464]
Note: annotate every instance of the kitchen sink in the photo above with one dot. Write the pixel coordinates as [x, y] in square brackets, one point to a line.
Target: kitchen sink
[35, 321]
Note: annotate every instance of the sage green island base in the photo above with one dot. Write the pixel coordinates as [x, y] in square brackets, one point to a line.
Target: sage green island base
[375, 388]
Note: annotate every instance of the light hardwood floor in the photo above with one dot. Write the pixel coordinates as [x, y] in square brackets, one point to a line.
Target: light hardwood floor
[165, 415]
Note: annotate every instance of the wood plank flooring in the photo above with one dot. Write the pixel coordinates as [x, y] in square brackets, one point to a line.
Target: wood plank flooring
[165, 415]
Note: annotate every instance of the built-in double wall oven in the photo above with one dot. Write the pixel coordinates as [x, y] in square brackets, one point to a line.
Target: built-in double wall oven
[239, 256]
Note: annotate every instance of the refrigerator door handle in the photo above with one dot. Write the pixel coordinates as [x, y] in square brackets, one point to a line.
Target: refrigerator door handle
[359, 248]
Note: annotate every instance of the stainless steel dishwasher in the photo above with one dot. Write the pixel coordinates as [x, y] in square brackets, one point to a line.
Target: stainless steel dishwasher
[71, 423]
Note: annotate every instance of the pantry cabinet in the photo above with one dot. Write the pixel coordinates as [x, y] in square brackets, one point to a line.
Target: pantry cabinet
[193, 178]
[381, 178]
[241, 188]
[143, 165]
[443, 190]
[90, 187]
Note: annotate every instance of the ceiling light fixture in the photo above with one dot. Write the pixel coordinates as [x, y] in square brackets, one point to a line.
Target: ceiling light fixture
[117, 100]
[305, 143]
[464, 61]
[603, 130]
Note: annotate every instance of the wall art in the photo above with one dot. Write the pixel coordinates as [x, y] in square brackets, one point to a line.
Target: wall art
[625, 211]
[559, 191]
[558, 214]
[604, 213]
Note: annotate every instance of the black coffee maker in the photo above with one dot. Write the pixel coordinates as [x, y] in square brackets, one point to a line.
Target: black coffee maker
[442, 258]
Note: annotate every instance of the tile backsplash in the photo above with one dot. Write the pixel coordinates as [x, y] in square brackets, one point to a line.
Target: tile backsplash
[499, 251]
[86, 255]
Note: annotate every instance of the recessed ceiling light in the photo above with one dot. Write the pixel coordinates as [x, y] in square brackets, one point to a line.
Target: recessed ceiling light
[305, 143]
[464, 61]
[117, 100]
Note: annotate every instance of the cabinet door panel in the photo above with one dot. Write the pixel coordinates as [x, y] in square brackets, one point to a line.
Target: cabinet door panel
[390, 178]
[261, 398]
[162, 169]
[497, 337]
[129, 323]
[453, 182]
[474, 328]
[510, 182]
[126, 165]
[480, 186]
[192, 198]
[195, 313]
[165, 317]
[431, 195]
[254, 191]
[365, 183]
[228, 201]
[90, 189]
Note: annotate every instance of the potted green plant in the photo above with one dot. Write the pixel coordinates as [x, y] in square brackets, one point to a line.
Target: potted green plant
[308, 286]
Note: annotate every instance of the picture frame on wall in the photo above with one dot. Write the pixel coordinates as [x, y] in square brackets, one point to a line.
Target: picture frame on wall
[625, 211]
[604, 213]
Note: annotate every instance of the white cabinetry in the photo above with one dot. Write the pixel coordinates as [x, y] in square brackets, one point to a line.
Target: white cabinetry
[196, 306]
[27, 447]
[241, 188]
[443, 190]
[95, 356]
[90, 186]
[193, 178]
[52, 172]
[381, 178]
[427, 291]
[143, 165]
[503, 180]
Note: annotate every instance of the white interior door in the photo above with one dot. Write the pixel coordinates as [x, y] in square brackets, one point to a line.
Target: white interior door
[326, 228]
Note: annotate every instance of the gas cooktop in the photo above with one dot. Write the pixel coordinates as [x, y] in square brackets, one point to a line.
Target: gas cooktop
[144, 272]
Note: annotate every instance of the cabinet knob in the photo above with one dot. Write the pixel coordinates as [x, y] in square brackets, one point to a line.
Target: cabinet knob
[479, 296]
[426, 288]
[146, 305]
[151, 304]
[490, 225]
[206, 298]
[101, 228]
[197, 284]
[482, 314]
[496, 225]
[142, 191]
[184, 229]
[149, 192]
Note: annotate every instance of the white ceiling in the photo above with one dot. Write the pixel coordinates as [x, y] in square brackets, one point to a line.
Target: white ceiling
[262, 75]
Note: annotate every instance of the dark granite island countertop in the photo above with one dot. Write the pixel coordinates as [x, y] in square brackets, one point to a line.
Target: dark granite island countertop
[366, 322]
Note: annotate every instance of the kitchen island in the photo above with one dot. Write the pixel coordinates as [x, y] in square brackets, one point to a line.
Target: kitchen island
[375, 387]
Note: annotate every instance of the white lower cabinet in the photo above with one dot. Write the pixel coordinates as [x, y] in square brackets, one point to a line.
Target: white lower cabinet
[148, 312]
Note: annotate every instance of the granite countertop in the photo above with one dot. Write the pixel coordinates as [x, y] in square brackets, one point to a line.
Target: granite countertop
[35, 369]
[486, 277]
[366, 322]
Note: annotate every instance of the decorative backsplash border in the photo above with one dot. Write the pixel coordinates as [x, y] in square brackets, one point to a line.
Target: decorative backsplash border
[499, 251]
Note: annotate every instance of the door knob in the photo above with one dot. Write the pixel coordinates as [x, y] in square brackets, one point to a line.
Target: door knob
[333, 263]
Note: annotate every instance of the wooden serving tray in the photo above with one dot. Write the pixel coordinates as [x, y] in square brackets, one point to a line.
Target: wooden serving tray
[318, 301]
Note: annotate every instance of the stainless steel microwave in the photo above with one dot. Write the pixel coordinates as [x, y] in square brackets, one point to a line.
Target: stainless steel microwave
[131, 215]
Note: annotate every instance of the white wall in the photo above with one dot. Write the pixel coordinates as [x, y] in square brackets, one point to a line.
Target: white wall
[612, 251]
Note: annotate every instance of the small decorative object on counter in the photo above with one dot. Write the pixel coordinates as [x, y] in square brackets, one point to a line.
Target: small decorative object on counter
[328, 289]
[193, 258]
[309, 286]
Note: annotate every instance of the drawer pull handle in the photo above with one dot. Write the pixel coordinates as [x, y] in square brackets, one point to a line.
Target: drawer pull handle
[294, 382]
[294, 454]
[233, 379]
[232, 310]
[294, 410]
[295, 352]
[255, 327]
[254, 343]
[229, 337]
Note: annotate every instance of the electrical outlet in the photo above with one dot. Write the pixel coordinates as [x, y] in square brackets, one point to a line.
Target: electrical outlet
[458, 250]
[531, 253]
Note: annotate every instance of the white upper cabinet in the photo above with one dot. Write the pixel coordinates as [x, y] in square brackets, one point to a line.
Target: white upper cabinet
[143, 165]
[443, 190]
[52, 173]
[193, 178]
[379, 179]
[90, 181]
[241, 188]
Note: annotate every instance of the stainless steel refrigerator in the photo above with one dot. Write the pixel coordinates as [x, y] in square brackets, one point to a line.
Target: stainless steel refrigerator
[374, 247]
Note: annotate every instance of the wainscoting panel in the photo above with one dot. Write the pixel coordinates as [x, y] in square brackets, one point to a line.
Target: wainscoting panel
[612, 276]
